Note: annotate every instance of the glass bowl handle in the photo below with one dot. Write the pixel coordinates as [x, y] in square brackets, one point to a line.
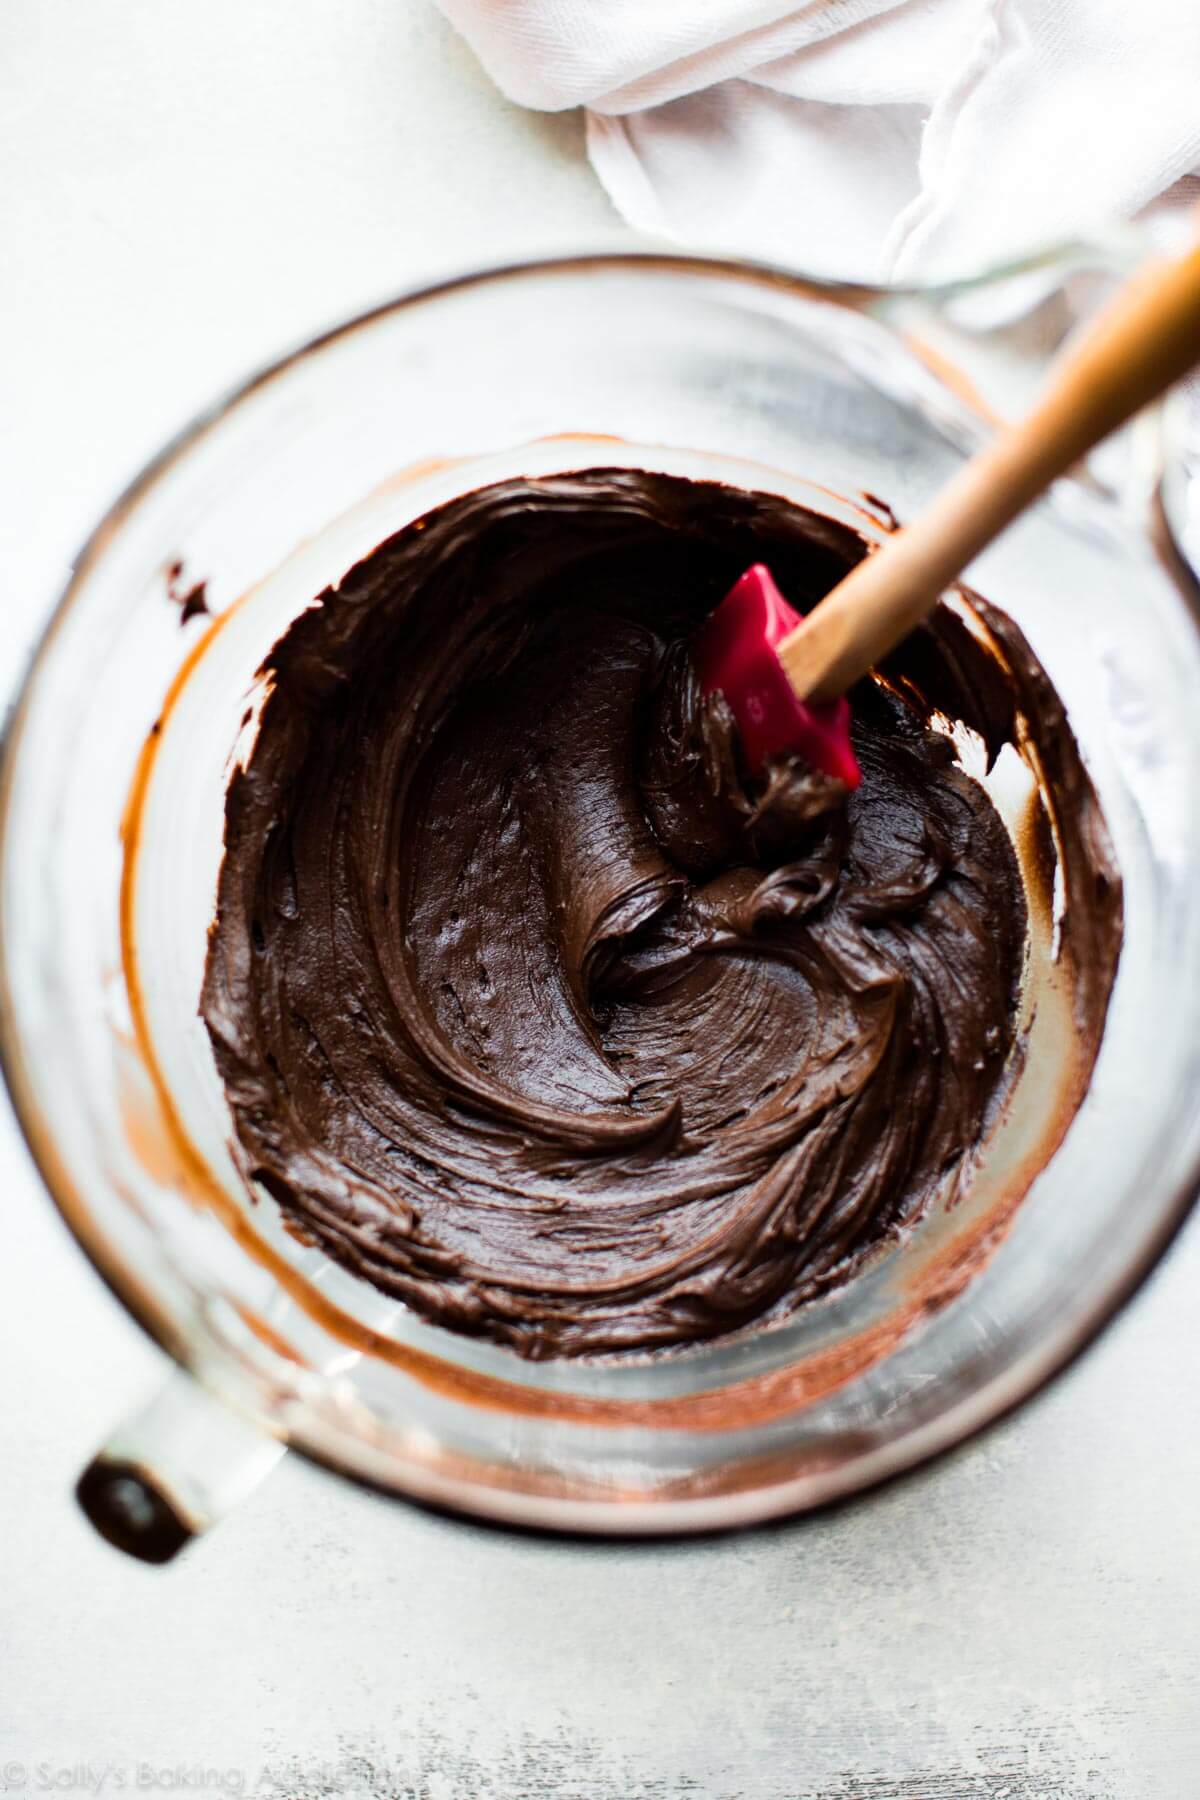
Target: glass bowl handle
[170, 1471]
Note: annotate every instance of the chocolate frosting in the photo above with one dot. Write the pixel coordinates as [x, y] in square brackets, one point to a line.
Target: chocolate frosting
[535, 1011]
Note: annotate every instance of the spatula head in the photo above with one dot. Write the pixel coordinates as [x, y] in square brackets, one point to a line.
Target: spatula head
[735, 650]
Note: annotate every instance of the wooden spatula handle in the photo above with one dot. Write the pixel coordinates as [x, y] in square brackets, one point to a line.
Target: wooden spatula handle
[1143, 341]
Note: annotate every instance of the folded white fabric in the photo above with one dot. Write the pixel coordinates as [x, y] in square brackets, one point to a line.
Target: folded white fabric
[881, 139]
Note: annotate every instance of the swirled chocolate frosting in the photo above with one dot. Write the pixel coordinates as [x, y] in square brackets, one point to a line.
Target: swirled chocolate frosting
[534, 1011]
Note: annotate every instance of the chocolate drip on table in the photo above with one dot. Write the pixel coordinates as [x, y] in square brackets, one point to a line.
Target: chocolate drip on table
[534, 1010]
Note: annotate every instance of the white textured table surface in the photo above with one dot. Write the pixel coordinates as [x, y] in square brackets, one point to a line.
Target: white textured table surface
[187, 188]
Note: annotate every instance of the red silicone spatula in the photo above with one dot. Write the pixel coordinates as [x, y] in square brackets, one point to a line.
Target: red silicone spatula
[737, 650]
[784, 676]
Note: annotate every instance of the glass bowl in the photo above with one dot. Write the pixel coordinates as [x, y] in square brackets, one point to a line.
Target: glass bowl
[110, 840]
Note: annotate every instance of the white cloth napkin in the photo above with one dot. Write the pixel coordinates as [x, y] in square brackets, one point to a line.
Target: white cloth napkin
[878, 139]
